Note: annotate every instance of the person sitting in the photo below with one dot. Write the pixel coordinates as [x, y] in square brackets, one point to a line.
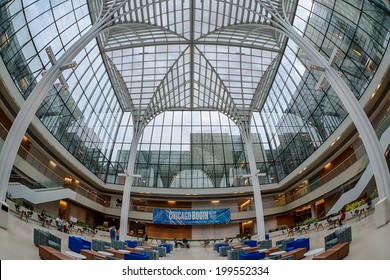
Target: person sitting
[185, 243]
[177, 243]
[59, 223]
[23, 213]
[65, 226]
[43, 218]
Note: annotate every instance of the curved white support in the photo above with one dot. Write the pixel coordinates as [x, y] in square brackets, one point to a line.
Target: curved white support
[32, 103]
[351, 104]
[256, 186]
[123, 228]
[356, 112]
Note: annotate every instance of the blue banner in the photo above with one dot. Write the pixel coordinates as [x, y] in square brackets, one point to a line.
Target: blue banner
[191, 217]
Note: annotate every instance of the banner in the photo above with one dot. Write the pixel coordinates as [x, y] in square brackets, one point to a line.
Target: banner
[191, 217]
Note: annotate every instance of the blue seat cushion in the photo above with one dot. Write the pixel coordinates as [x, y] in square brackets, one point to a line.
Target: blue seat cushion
[288, 249]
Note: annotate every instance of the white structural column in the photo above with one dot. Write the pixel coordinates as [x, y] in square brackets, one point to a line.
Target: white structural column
[123, 228]
[351, 104]
[32, 103]
[256, 186]
[355, 110]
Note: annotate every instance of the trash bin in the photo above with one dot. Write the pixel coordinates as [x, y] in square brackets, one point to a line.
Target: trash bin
[4, 214]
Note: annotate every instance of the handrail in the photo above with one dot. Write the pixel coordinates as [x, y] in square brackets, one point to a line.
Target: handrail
[340, 168]
[57, 181]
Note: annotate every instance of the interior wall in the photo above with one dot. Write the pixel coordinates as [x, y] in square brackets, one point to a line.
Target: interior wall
[270, 223]
[77, 212]
[286, 219]
[50, 207]
[215, 231]
[169, 231]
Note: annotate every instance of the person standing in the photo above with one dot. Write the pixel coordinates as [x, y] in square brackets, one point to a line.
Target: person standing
[146, 238]
[341, 217]
[112, 233]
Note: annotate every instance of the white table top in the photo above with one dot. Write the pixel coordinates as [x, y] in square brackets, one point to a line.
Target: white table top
[106, 253]
[75, 255]
[123, 251]
[277, 253]
[262, 250]
[314, 252]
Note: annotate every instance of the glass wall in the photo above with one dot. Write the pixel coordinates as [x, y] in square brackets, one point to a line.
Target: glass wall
[81, 110]
[196, 147]
[298, 118]
[184, 149]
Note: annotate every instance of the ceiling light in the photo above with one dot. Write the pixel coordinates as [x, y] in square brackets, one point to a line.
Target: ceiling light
[70, 65]
[318, 68]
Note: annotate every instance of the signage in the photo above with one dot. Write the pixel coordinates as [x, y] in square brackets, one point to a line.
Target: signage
[191, 217]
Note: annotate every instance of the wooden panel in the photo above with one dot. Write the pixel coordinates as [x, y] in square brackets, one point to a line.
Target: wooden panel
[169, 231]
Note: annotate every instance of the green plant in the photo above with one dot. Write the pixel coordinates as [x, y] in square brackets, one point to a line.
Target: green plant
[310, 221]
[81, 224]
[354, 205]
[101, 227]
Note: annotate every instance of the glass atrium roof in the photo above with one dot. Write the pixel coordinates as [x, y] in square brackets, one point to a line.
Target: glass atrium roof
[192, 54]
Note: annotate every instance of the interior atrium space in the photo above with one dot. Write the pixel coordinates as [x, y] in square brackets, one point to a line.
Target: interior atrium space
[197, 120]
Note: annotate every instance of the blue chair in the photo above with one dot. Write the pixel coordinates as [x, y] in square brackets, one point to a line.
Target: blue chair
[135, 256]
[298, 243]
[76, 244]
[217, 245]
[131, 244]
[250, 243]
[252, 256]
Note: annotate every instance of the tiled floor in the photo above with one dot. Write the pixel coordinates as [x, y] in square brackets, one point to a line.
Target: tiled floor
[368, 242]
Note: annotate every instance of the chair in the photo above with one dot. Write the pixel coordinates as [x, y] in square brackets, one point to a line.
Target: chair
[281, 244]
[117, 244]
[218, 245]
[250, 243]
[167, 246]
[131, 244]
[223, 250]
[340, 235]
[299, 243]
[265, 244]
[100, 245]
[234, 254]
[252, 256]
[136, 256]
[331, 223]
[76, 244]
[47, 239]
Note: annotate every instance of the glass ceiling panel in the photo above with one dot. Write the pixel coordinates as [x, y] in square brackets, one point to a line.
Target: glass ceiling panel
[188, 54]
